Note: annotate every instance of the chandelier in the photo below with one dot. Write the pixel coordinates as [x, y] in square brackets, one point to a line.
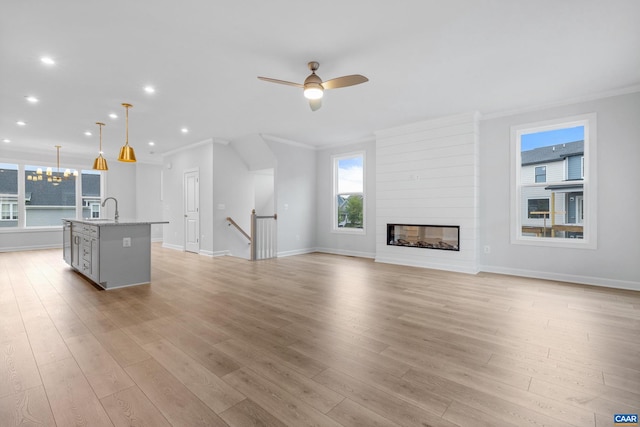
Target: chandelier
[56, 177]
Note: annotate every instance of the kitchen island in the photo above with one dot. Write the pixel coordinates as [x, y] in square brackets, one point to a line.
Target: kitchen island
[112, 254]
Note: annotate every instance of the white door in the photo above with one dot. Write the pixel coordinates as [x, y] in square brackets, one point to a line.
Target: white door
[192, 211]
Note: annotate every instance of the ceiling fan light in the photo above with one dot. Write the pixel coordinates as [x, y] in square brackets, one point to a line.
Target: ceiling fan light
[313, 91]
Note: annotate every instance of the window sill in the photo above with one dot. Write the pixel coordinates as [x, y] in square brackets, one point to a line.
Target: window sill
[8, 230]
[554, 242]
[356, 231]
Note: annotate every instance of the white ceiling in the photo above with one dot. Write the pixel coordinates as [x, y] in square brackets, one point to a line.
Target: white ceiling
[424, 59]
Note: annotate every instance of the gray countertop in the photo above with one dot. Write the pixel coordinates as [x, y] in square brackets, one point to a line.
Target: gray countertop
[100, 222]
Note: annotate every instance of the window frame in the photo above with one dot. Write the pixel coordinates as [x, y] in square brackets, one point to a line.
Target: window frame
[548, 199]
[22, 195]
[13, 210]
[535, 173]
[589, 181]
[335, 159]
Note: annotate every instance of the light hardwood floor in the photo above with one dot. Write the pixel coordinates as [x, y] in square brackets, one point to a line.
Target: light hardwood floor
[310, 340]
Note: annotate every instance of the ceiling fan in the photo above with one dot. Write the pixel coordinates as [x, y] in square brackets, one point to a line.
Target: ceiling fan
[314, 86]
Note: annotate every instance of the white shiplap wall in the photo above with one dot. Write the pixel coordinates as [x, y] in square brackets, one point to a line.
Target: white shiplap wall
[427, 173]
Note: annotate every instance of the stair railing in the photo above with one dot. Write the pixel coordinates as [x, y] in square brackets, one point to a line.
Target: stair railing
[264, 235]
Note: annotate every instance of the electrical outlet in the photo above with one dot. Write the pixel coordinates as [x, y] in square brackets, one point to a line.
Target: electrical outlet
[126, 242]
[487, 249]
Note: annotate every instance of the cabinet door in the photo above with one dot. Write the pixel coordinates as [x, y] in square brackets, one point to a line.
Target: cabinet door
[76, 250]
[95, 261]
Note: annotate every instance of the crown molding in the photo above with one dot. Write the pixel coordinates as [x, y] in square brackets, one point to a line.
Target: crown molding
[575, 100]
[193, 145]
[273, 138]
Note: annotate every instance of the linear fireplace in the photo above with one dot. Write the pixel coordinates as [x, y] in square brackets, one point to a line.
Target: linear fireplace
[443, 237]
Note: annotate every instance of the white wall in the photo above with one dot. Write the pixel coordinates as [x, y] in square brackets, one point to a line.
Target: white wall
[233, 196]
[615, 261]
[198, 156]
[120, 182]
[427, 173]
[295, 179]
[363, 245]
[264, 185]
[148, 197]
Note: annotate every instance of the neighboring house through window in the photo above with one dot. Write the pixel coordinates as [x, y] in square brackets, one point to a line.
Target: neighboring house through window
[553, 185]
[40, 196]
[537, 208]
[8, 195]
[348, 200]
[9, 209]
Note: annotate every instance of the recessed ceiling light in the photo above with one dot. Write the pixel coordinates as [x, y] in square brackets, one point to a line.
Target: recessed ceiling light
[87, 133]
[149, 89]
[184, 130]
[6, 140]
[31, 99]
[47, 60]
[21, 123]
[151, 143]
[113, 115]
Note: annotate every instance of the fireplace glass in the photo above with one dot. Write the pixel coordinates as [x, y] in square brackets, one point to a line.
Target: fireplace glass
[443, 237]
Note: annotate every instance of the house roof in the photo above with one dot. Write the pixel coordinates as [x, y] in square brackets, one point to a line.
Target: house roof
[8, 181]
[552, 153]
[568, 187]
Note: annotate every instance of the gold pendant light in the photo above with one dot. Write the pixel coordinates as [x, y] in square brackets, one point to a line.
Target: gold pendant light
[126, 152]
[100, 163]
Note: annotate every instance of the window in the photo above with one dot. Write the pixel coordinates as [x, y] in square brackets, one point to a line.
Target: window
[53, 196]
[91, 194]
[8, 195]
[553, 192]
[9, 210]
[348, 200]
[538, 208]
[41, 196]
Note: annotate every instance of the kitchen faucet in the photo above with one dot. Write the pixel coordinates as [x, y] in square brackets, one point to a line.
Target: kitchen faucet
[114, 199]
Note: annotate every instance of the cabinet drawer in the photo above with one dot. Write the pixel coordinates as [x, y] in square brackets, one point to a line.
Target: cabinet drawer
[90, 230]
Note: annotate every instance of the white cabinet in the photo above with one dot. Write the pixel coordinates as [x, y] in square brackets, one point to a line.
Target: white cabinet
[76, 249]
[85, 250]
[111, 254]
[90, 263]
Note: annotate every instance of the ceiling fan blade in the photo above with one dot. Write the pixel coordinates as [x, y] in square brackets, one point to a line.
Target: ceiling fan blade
[344, 81]
[315, 104]
[282, 82]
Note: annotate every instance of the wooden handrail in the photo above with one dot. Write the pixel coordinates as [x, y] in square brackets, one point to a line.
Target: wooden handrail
[235, 224]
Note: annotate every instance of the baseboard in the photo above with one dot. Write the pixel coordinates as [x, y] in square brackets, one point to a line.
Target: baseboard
[296, 252]
[435, 266]
[29, 248]
[559, 277]
[346, 253]
[174, 247]
[215, 253]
